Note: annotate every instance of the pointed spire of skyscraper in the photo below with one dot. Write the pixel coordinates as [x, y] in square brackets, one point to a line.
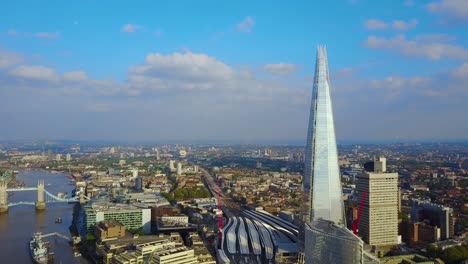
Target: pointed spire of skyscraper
[322, 185]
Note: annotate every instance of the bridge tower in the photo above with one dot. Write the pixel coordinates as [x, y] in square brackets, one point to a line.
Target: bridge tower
[3, 197]
[40, 203]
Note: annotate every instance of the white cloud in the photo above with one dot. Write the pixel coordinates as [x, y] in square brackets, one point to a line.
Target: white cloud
[462, 71]
[13, 32]
[9, 58]
[348, 71]
[246, 25]
[48, 35]
[280, 68]
[414, 48]
[185, 66]
[130, 28]
[441, 37]
[403, 25]
[35, 72]
[376, 24]
[75, 76]
[451, 9]
[186, 95]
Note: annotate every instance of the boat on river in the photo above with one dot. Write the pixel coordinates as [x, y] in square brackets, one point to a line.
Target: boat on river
[39, 249]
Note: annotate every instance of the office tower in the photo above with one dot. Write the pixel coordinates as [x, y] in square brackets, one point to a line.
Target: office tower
[139, 183]
[49, 155]
[179, 168]
[435, 215]
[130, 216]
[322, 184]
[157, 154]
[378, 225]
[324, 235]
[58, 157]
[332, 244]
[68, 157]
[171, 165]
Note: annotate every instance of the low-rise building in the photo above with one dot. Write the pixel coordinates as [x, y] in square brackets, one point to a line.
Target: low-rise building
[109, 229]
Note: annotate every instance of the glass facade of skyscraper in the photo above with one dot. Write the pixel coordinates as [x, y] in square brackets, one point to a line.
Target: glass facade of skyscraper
[322, 186]
[325, 237]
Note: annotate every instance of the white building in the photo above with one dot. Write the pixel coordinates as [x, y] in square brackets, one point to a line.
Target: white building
[58, 157]
[68, 157]
[179, 168]
[378, 225]
[171, 165]
[130, 216]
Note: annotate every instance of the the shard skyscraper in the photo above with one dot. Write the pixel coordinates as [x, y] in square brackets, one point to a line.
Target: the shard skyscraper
[322, 185]
[325, 236]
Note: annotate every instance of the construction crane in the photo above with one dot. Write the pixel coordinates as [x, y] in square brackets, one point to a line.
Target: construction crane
[220, 217]
[355, 224]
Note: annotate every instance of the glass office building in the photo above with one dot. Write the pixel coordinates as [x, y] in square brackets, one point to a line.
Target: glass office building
[329, 243]
[322, 185]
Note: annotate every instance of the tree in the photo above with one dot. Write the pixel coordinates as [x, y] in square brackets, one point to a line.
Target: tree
[453, 255]
[432, 250]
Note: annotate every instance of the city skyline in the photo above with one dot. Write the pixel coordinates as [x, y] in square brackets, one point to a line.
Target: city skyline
[240, 74]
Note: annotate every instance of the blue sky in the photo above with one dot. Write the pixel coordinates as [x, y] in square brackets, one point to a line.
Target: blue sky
[231, 70]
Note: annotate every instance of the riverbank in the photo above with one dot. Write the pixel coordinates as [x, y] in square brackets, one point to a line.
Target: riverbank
[21, 221]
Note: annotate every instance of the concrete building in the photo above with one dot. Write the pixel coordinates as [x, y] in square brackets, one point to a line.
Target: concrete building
[158, 157]
[158, 252]
[179, 168]
[378, 225]
[68, 157]
[182, 153]
[171, 166]
[130, 216]
[172, 255]
[436, 215]
[58, 157]
[109, 229]
[423, 232]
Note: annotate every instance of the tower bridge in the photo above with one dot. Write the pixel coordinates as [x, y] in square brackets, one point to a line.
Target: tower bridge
[43, 197]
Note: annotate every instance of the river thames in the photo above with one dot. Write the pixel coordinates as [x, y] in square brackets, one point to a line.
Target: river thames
[18, 225]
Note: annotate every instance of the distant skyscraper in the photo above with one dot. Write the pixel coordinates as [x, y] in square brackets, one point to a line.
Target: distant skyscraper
[157, 154]
[179, 168]
[322, 184]
[378, 225]
[171, 166]
[68, 157]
